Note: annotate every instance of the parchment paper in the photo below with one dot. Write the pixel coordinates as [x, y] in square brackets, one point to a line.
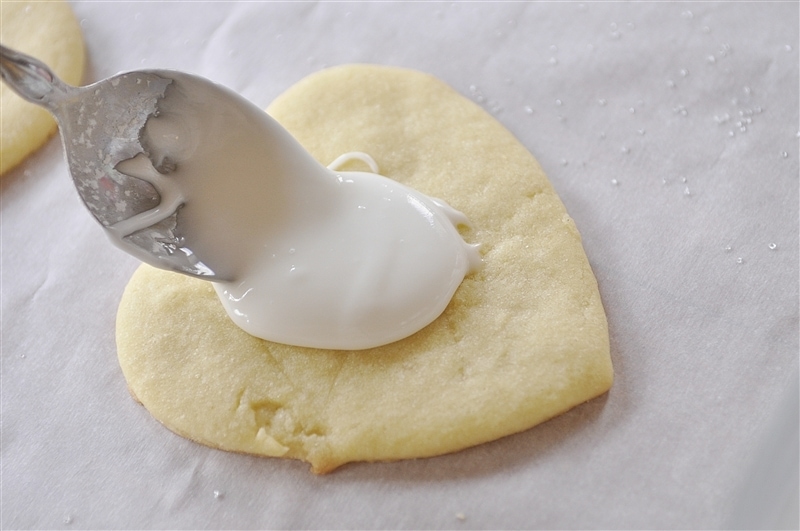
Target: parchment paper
[670, 130]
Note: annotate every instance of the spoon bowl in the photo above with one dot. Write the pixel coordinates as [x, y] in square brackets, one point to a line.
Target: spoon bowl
[102, 129]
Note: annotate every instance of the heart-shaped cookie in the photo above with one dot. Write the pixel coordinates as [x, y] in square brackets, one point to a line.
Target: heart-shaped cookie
[521, 341]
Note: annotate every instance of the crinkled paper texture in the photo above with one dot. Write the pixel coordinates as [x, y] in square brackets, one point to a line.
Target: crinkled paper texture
[669, 130]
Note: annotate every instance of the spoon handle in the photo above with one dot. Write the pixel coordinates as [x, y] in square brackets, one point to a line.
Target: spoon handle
[31, 79]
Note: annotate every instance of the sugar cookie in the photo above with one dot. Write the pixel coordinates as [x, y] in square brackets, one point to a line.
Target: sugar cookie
[522, 340]
[49, 32]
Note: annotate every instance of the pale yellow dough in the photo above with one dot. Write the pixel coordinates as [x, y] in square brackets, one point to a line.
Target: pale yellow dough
[522, 341]
[48, 31]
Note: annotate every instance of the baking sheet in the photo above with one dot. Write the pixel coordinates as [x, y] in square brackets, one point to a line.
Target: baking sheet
[670, 130]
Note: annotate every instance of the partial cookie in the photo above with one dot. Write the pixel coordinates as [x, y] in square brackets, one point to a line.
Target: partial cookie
[522, 341]
[48, 31]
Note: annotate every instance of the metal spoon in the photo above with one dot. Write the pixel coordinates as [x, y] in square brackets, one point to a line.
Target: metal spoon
[102, 125]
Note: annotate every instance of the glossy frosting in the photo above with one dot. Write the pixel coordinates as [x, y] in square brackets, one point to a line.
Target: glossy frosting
[312, 256]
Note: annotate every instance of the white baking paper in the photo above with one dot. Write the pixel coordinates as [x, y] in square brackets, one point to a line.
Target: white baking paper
[670, 131]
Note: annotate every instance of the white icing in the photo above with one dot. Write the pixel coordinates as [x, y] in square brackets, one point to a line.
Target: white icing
[315, 257]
